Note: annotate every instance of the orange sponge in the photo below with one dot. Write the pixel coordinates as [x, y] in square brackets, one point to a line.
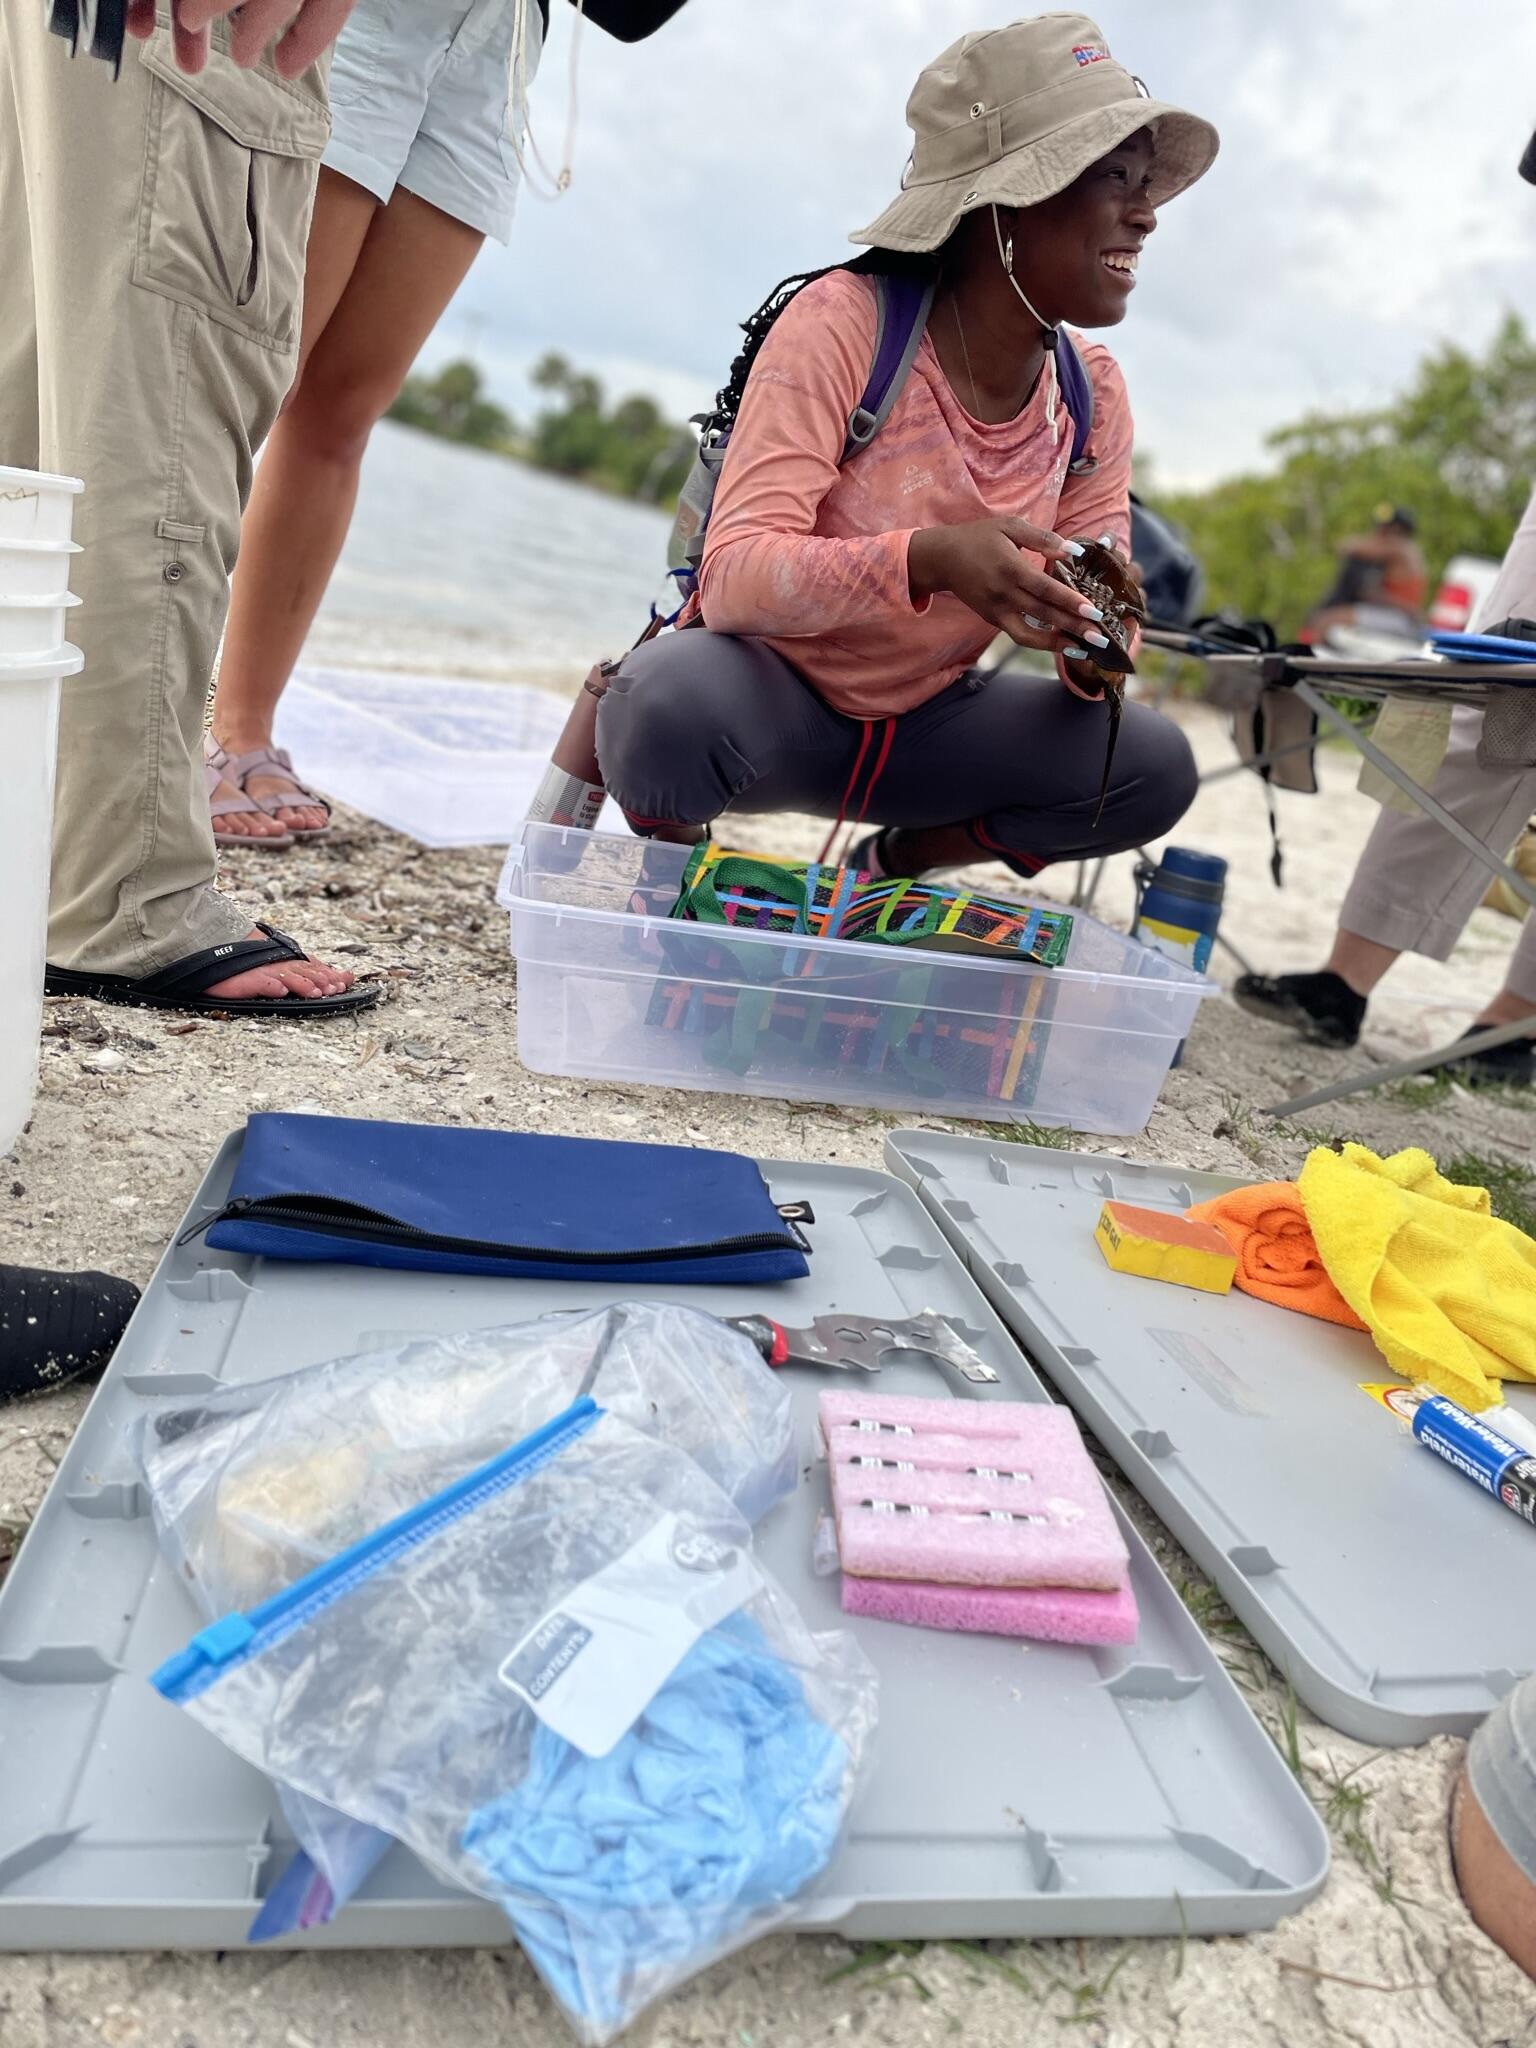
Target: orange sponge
[1158, 1246]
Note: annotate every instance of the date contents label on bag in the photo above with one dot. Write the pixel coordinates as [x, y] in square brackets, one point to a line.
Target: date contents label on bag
[592, 1665]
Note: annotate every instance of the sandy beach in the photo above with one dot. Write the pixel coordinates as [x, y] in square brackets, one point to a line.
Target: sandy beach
[131, 1106]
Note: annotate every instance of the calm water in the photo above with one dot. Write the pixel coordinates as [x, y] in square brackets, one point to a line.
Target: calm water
[464, 562]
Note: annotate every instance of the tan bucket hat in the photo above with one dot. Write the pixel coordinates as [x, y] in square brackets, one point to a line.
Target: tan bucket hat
[1011, 116]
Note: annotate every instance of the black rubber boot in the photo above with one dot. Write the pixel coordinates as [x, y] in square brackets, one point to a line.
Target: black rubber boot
[1322, 1007]
[56, 1327]
[1504, 1066]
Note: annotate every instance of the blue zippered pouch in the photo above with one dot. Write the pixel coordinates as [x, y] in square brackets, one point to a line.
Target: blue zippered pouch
[443, 1199]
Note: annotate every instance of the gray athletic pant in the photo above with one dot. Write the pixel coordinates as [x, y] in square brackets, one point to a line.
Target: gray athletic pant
[1414, 888]
[697, 724]
[1501, 1763]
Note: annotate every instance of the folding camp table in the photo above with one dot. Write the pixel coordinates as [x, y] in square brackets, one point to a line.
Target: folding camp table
[1316, 680]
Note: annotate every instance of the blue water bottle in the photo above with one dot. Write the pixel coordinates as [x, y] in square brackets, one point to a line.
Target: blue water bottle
[1178, 907]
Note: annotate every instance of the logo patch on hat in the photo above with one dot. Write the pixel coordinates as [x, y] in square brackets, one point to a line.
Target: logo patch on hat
[1090, 53]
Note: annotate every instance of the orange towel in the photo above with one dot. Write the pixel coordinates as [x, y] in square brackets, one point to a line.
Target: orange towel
[1277, 1257]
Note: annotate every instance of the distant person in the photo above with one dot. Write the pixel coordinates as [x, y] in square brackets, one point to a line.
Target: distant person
[1380, 585]
[427, 141]
[831, 664]
[150, 268]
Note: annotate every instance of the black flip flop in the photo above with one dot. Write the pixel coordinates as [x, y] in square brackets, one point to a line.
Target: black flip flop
[57, 1327]
[180, 986]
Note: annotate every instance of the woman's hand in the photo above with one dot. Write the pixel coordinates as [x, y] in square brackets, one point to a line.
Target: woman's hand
[1082, 676]
[983, 564]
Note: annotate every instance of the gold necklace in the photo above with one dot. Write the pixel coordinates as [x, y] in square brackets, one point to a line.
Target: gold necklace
[970, 374]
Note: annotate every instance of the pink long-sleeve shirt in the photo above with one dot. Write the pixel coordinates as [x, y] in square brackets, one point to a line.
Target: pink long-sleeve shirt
[812, 557]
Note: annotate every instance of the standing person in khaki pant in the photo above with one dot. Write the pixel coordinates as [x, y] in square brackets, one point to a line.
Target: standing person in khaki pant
[1414, 888]
[152, 236]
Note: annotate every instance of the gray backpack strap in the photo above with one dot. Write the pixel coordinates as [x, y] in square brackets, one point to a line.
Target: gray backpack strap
[902, 306]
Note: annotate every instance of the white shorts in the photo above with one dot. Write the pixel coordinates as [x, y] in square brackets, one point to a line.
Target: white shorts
[421, 97]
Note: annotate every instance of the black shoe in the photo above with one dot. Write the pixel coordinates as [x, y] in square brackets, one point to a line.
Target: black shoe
[1503, 1066]
[1322, 1007]
[56, 1327]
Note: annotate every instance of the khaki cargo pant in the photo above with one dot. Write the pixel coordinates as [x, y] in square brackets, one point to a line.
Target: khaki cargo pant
[152, 237]
[1414, 888]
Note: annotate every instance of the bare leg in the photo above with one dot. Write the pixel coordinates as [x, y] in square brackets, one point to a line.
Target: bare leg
[1499, 1895]
[404, 267]
[1359, 962]
[1362, 963]
[343, 213]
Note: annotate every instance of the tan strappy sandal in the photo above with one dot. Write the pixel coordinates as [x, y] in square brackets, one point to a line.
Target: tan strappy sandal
[218, 767]
[278, 761]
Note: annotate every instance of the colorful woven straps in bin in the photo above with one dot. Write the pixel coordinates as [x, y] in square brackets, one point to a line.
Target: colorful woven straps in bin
[805, 899]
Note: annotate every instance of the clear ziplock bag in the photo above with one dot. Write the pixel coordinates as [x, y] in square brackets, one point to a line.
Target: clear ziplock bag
[259, 1484]
[568, 1685]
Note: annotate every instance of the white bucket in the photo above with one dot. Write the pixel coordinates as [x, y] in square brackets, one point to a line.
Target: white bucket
[29, 722]
[32, 628]
[37, 507]
[36, 568]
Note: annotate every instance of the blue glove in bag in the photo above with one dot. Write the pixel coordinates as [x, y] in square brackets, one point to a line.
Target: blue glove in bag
[568, 1685]
[724, 1799]
[258, 1484]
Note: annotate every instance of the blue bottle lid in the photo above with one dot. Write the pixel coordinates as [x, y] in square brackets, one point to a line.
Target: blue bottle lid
[1197, 867]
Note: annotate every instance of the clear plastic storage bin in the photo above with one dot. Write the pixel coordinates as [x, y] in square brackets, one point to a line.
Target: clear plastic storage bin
[610, 989]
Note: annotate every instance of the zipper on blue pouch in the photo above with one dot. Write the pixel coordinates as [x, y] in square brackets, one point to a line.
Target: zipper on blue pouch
[330, 1216]
[235, 1638]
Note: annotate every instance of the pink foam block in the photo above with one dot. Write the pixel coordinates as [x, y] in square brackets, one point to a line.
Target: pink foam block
[1046, 1614]
[1022, 1507]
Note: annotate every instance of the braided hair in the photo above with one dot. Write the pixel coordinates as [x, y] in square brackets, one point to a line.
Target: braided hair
[757, 326]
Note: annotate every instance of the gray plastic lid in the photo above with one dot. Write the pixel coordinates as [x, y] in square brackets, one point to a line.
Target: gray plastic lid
[1394, 1595]
[1017, 1790]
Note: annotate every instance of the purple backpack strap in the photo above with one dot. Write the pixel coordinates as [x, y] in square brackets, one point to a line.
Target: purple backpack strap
[902, 305]
[1077, 396]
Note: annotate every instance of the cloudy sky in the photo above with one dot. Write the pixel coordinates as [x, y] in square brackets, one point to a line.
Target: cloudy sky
[1365, 204]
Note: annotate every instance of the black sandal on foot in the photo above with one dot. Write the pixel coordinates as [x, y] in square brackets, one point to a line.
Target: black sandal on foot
[56, 1327]
[180, 986]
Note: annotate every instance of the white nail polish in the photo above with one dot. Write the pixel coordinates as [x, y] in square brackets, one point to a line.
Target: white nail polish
[1074, 547]
[1097, 639]
[1075, 653]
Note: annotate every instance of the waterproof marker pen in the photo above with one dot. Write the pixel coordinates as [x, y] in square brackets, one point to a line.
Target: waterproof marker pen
[1479, 1453]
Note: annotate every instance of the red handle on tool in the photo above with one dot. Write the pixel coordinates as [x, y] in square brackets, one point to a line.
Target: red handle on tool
[767, 1335]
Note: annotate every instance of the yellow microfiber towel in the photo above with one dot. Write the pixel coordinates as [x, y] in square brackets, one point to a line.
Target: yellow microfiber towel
[1447, 1290]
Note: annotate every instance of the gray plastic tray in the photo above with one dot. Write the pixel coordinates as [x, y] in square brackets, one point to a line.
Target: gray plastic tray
[1016, 1791]
[1394, 1596]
